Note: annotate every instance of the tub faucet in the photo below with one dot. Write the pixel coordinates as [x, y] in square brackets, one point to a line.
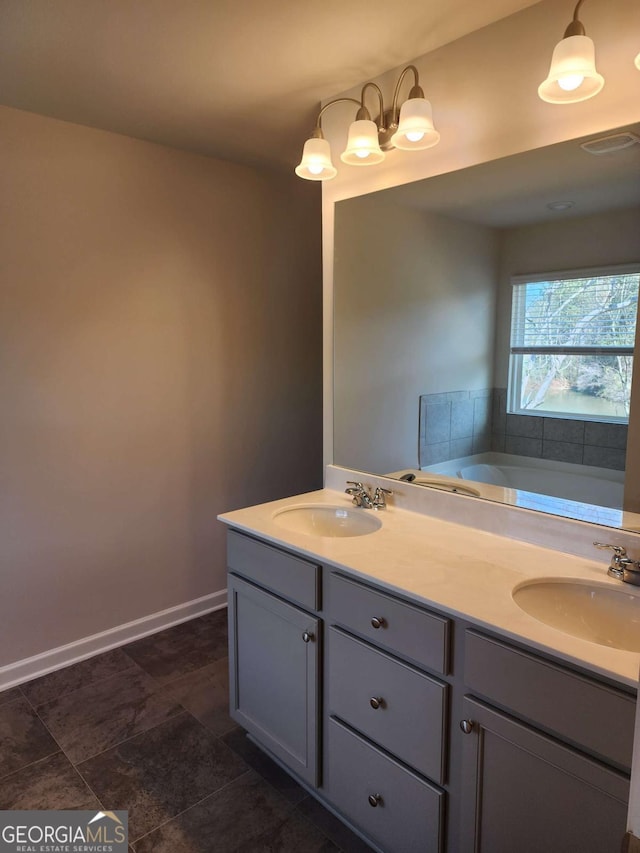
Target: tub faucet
[622, 566]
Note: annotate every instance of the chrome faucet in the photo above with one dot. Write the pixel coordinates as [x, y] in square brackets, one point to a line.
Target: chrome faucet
[360, 494]
[622, 566]
[363, 498]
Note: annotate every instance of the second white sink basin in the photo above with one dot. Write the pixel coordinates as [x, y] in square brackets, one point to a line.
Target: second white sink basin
[329, 521]
[595, 612]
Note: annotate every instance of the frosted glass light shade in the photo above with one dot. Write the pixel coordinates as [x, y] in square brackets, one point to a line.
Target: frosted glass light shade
[572, 75]
[363, 148]
[637, 62]
[415, 128]
[316, 162]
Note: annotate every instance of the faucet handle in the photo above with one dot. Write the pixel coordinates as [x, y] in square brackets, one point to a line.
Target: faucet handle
[359, 493]
[619, 551]
[621, 564]
[379, 501]
[354, 489]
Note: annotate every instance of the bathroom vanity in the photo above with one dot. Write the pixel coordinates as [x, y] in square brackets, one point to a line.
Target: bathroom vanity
[392, 674]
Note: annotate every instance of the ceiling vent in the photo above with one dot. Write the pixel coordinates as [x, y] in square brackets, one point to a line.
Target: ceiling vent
[609, 144]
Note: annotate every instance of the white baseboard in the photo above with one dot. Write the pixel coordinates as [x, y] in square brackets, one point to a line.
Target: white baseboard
[29, 668]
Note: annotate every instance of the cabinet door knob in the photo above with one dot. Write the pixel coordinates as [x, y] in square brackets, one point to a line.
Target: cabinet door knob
[378, 622]
[376, 702]
[466, 726]
[375, 800]
[307, 636]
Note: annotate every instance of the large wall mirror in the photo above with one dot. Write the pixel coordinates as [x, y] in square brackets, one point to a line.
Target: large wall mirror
[424, 282]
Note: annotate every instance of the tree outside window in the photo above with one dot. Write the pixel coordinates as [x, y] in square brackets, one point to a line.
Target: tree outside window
[572, 342]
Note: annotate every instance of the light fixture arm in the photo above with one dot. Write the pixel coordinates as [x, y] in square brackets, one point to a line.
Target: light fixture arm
[416, 91]
[576, 27]
[363, 112]
[317, 133]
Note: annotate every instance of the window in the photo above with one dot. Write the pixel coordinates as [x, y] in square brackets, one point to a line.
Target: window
[572, 339]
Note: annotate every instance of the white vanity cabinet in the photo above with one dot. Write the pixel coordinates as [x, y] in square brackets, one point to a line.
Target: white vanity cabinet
[274, 651]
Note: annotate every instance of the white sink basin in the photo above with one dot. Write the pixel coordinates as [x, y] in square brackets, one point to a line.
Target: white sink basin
[331, 521]
[596, 612]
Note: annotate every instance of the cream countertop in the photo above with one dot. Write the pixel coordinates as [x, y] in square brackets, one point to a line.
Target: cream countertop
[457, 569]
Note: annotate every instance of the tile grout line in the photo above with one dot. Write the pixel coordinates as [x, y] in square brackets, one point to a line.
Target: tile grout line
[132, 737]
[250, 769]
[134, 665]
[183, 710]
[89, 788]
[117, 743]
[150, 729]
[198, 803]
[32, 763]
[129, 669]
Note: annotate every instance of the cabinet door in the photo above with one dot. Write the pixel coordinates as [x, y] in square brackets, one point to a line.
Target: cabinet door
[273, 661]
[528, 793]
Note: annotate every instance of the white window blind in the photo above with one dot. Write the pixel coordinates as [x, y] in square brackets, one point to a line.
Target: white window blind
[595, 314]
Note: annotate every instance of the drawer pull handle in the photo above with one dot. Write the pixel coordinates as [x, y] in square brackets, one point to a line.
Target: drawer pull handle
[375, 800]
[307, 636]
[378, 622]
[466, 726]
[376, 702]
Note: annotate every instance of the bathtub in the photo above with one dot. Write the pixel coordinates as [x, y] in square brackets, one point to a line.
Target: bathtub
[557, 480]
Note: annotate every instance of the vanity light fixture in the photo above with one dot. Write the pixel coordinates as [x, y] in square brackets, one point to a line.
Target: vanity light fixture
[572, 75]
[411, 130]
[637, 62]
[363, 145]
[414, 130]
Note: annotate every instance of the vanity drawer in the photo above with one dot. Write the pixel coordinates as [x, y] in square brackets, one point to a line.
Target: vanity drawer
[291, 577]
[408, 814]
[409, 719]
[555, 698]
[409, 631]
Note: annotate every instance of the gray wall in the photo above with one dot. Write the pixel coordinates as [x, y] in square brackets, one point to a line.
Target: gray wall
[160, 362]
[414, 313]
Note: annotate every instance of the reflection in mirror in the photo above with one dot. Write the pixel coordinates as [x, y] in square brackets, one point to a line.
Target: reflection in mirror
[429, 382]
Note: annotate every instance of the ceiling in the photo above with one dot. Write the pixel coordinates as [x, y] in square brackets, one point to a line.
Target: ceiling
[516, 190]
[225, 78]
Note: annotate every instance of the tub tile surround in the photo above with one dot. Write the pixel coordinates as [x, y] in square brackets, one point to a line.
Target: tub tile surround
[460, 423]
[454, 424]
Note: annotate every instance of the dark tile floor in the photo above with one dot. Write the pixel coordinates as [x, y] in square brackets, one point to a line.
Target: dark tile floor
[145, 728]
